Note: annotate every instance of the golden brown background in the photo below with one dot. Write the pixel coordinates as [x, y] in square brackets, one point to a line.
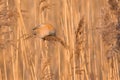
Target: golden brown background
[89, 27]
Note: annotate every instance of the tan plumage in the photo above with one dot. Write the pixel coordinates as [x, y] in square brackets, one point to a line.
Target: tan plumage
[43, 30]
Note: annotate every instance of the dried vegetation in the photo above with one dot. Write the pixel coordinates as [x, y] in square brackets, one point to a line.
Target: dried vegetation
[85, 53]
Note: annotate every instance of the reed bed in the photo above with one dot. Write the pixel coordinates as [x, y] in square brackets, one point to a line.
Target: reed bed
[86, 45]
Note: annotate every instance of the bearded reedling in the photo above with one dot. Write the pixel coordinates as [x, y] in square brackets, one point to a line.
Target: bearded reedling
[44, 30]
[47, 32]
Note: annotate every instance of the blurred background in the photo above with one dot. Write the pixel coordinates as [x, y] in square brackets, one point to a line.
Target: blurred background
[91, 29]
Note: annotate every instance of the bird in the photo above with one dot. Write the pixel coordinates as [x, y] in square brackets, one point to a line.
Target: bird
[44, 30]
[47, 32]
